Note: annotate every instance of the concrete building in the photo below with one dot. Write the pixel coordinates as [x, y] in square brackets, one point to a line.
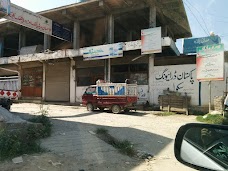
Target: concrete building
[54, 70]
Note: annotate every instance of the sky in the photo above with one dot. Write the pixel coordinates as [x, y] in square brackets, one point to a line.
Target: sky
[204, 15]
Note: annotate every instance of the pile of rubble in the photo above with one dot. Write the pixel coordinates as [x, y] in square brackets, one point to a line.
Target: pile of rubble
[10, 121]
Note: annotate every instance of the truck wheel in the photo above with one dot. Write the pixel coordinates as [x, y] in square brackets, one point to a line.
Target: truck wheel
[116, 109]
[90, 107]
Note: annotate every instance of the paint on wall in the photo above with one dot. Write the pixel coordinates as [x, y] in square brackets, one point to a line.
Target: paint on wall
[142, 93]
[182, 78]
[179, 78]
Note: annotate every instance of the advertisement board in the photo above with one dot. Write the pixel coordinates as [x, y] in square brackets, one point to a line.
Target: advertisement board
[151, 41]
[5, 7]
[30, 19]
[103, 51]
[210, 62]
[37, 22]
[190, 45]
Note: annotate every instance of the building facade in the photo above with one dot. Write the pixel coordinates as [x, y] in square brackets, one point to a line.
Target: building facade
[54, 70]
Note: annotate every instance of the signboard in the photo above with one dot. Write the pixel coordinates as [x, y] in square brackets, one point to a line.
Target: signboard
[61, 32]
[5, 6]
[210, 62]
[190, 45]
[151, 41]
[133, 45]
[37, 22]
[30, 19]
[103, 51]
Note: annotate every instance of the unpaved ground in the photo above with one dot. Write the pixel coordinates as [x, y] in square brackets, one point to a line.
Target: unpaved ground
[74, 147]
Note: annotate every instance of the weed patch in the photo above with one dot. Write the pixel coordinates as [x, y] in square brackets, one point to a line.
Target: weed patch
[213, 119]
[165, 113]
[15, 143]
[124, 147]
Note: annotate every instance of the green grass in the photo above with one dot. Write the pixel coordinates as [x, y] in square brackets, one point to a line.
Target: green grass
[101, 131]
[124, 147]
[165, 113]
[14, 143]
[213, 119]
[25, 141]
[45, 130]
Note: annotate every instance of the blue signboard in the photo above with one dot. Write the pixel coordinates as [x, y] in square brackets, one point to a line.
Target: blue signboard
[5, 6]
[62, 32]
[190, 45]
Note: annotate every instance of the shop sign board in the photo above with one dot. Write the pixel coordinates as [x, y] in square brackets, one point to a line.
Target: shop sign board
[210, 62]
[103, 51]
[151, 40]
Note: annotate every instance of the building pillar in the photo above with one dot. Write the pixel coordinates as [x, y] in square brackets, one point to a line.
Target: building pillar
[44, 82]
[72, 81]
[129, 35]
[47, 42]
[1, 46]
[152, 23]
[22, 39]
[110, 40]
[76, 35]
[76, 45]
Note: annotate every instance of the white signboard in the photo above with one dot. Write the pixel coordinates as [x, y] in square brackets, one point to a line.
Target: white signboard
[151, 41]
[103, 51]
[30, 19]
[210, 62]
[5, 6]
[133, 45]
[178, 78]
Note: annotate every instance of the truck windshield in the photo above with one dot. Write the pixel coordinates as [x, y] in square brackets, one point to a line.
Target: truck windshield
[90, 90]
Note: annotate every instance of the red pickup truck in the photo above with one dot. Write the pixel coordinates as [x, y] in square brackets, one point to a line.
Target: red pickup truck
[116, 97]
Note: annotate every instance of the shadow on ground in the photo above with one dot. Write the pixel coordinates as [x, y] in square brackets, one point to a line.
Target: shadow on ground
[80, 148]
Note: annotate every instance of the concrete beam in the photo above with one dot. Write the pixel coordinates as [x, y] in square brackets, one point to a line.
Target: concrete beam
[68, 15]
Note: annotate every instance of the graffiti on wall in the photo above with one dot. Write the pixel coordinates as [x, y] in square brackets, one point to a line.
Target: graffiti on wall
[143, 92]
[169, 75]
[180, 78]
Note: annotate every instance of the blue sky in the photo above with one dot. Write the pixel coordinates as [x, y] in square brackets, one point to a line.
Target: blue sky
[204, 15]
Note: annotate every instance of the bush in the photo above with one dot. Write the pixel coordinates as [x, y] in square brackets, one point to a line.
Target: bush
[15, 143]
[45, 130]
[25, 141]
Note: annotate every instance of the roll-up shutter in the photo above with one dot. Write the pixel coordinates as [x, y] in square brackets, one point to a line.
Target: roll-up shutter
[58, 82]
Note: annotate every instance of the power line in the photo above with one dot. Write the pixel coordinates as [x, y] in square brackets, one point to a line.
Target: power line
[196, 18]
[200, 15]
[214, 15]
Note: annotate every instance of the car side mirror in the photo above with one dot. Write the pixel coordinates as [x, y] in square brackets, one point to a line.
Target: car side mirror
[202, 146]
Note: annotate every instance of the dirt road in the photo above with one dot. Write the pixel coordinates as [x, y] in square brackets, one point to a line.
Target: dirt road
[73, 146]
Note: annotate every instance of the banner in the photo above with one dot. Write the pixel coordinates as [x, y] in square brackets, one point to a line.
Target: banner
[5, 7]
[151, 41]
[103, 51]
[30, 19]
[39, 23]
[190, 45]
[210, 62]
